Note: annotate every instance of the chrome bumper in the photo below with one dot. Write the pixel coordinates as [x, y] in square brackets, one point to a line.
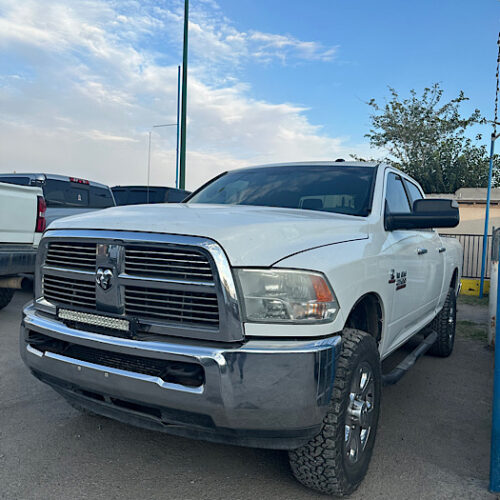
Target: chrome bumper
[271, 394]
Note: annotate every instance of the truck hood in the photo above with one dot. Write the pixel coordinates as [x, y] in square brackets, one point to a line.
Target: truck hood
[251, 236]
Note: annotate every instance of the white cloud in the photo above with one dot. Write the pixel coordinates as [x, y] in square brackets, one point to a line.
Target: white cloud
[285, 46]
[91, 82]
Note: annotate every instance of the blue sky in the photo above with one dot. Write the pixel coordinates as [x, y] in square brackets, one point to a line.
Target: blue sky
[402, 44]
[81, 82]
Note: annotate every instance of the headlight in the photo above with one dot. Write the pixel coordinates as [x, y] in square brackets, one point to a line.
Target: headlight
[286, 296]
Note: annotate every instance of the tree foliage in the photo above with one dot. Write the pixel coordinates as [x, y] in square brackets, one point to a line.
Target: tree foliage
[427, 139]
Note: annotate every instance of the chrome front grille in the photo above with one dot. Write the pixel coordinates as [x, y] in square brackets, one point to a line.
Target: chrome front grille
[72, 255]
[164, 285]
[173, 305]
[68, 291]
[168, 263]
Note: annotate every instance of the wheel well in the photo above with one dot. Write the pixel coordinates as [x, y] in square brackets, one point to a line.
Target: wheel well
[367, 315]
[453, 283]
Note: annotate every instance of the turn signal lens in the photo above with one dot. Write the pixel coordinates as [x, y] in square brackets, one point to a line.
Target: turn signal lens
[323, 292]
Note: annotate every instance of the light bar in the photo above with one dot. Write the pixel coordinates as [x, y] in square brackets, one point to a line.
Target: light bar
[94, 319]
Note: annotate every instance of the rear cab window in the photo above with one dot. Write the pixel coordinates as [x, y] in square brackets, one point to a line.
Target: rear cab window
[59, 193]
[16, 179]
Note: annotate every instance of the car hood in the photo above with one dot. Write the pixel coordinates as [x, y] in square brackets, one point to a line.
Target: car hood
[251, 236]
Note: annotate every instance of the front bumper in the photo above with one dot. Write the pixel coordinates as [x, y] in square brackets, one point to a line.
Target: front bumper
[270, 394]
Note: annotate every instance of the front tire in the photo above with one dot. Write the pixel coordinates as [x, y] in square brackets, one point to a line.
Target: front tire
[445, 324]
[336, 460]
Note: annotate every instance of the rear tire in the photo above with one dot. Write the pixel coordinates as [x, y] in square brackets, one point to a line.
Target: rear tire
[336, 460]
[445, 324]
[6, 295]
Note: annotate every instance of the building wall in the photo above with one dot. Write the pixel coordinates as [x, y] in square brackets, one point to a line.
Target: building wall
[472, 219]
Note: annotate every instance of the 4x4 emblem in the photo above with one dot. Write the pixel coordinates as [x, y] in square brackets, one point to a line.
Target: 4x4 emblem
[103, 277]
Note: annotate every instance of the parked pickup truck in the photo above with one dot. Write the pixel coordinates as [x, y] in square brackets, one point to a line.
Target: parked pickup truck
[255, 313]
[139, 195]
[64, 195]
[22, 221]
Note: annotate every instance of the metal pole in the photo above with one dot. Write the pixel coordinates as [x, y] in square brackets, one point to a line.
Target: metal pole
[494, 137]
[182, 164]
[492, 296]
[495, 428]
[487, 217]
[177, 143]
[149, 166]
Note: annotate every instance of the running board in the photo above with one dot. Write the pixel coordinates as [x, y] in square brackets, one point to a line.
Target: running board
[397, 373]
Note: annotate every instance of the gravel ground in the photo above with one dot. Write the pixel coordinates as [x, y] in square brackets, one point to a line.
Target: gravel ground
[433, 441]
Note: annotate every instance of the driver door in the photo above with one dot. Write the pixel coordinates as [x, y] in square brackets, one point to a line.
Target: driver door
[406, 258]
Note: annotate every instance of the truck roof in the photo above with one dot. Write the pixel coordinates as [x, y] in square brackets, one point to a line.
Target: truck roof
[55, 177]
[330, 163]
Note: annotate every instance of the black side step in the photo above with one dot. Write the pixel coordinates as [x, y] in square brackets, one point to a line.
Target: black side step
[397, 373]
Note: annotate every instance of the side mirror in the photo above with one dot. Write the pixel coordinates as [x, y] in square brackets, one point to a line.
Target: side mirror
[426, 214]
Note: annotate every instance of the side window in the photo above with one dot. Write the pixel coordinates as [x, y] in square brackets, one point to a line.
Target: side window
[395, 195]
[413, 191]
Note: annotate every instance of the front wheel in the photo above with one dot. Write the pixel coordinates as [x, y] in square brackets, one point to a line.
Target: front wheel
[336, 460]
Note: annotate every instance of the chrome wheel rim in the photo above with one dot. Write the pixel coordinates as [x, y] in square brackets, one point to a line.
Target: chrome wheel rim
[451, 322]
[360, 413]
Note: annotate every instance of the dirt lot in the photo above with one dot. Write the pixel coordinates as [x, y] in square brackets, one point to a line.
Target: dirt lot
[433, 440]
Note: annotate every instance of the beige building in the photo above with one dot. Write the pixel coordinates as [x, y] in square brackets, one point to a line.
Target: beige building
[472, 206]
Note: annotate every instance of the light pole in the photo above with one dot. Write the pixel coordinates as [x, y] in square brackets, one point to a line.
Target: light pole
[149, 152]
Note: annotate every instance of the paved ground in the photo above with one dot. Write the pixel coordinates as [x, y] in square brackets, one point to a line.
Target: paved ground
[474, 313]
[433, 442]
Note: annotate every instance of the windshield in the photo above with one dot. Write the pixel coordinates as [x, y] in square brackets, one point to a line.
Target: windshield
[343, 189]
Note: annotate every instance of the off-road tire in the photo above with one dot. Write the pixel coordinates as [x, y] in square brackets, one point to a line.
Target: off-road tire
[445, 325]
[6, 295]
[323, 463]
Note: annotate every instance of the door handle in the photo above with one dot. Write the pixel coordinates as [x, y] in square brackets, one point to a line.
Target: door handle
[442, 249]
[421, 251]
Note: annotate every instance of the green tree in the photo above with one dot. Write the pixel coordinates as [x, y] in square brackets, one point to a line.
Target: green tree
[426, 138]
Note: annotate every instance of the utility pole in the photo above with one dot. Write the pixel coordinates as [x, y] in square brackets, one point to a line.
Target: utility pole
[182, 165]
[494, 137]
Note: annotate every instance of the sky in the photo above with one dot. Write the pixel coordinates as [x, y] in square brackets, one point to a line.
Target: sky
[82, 82]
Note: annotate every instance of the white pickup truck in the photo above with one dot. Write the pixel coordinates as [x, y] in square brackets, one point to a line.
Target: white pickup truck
[255, 313]
[22, 222]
